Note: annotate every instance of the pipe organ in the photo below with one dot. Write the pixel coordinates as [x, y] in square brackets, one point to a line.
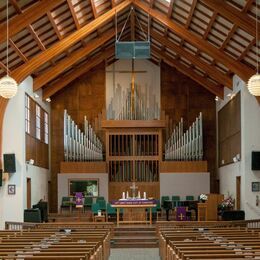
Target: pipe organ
[188, 145]
[79, 145]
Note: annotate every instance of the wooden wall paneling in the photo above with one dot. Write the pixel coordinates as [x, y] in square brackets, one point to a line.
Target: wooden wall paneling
[84, 96]
[183, 97]
[229, 131]
[183, 166]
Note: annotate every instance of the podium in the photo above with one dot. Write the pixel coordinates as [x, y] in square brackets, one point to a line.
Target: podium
[208, 211]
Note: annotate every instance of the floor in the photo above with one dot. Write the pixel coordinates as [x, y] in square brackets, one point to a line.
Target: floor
[135, 254]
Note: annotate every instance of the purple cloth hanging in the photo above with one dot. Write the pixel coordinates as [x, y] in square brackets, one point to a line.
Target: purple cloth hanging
[181, 214]
[79, 198]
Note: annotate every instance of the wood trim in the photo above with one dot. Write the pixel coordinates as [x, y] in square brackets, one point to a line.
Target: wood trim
[64, 81]
[29, 67]
[241, 19]
[214, 89]
[3, 105]
[54, 71]
[27, 17]
[240, 69]
[83, 167]
[183, 166]
[132, 123]
[212, 72]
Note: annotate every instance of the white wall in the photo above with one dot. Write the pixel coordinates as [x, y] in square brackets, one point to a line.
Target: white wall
[183, 184]
[63, 180]
[250, 140]
[12, 206]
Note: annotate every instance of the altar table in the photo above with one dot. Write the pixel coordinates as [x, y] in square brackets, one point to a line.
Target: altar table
[134, 210]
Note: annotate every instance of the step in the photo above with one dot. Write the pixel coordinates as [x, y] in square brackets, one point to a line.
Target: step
[134, 239]
[134, 229]
[134, 233]
[134, 245]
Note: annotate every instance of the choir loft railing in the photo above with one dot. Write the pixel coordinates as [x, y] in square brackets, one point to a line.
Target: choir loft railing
[188, 145]
[79, 145]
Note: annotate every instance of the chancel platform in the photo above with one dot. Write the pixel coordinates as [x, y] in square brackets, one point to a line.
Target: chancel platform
[134, 210]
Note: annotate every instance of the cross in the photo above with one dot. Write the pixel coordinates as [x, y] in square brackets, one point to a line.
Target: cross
[133, 188]
[181, 216]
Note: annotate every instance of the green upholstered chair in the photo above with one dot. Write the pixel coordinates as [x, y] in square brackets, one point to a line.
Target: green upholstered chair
[163, 198]
[102, 205]
[175, 201]
[88, 201]
[110, 212]
[94, 209]
[189, 197]
[65, 203]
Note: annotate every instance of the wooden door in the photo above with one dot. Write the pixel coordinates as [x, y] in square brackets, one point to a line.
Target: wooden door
[29, 193]
[238, 192]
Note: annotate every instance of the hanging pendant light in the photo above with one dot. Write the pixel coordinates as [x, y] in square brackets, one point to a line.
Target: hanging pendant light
[254, 82]
[8, 86]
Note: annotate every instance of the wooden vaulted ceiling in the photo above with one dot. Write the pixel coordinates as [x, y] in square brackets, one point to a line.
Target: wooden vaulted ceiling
[56, 41]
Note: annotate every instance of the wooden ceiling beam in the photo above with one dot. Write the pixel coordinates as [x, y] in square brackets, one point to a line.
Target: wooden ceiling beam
[73, 13]
[132, 20]
[210, 70]
[36, 37]
[17, 50]
[54, 25]
[65, 80]
[214, 89]
[18, 23]
[240, 69]
[4, 67]
[193, 6]
[33, 64]
[241, 19]
[16, 6]
[94, 10]
[76, 56]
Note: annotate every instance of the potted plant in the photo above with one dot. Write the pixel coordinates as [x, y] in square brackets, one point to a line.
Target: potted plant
[227, 204]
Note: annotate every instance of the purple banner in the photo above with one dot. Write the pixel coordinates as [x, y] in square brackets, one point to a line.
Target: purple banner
[181, 214]
[79, 198]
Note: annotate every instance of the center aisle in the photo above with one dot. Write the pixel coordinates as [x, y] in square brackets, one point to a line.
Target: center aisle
[134, 254]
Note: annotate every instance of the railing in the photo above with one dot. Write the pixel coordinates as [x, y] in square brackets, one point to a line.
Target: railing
[11, 225]
[78, 145]
[188, 145]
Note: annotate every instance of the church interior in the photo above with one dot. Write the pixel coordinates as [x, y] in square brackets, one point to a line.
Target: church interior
[129, 129]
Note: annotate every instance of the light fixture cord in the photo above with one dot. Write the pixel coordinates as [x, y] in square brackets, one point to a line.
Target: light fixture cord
[257, 50]
[7, 38]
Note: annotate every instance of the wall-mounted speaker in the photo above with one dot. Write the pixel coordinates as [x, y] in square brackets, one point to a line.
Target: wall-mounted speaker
[9, 163]
[1, 177]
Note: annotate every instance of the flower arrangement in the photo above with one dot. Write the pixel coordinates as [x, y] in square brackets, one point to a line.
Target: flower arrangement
[227, 203]
[203, 197]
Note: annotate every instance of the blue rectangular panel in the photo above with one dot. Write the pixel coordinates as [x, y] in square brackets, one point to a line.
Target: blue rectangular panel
[132, 50]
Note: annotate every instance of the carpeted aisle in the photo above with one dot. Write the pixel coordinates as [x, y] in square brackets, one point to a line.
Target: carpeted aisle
[134, 254]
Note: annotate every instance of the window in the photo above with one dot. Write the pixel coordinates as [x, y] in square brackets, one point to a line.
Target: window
[38, 122]
[27, 114]
[46, 128]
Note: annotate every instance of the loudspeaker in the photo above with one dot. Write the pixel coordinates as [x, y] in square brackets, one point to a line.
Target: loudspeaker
[1, 177]
[255, 161]
[9, 163]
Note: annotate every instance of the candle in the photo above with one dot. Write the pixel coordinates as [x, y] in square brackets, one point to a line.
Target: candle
[123, 195]
[144, 195]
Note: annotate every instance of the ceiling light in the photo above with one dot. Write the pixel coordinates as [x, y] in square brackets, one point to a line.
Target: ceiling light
[8, 86]
[216, 98]
[229, 95]
[254, 82]
[48, 99]
[36, 95]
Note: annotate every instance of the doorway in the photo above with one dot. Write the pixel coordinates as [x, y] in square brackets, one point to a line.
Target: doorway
[238, 192]
[29, 192]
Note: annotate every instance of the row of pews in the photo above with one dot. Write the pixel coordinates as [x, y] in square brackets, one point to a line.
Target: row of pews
[208, 240]
[73, 241]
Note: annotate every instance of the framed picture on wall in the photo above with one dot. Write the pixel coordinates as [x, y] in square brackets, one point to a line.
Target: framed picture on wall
[11, 189]
[255, 186]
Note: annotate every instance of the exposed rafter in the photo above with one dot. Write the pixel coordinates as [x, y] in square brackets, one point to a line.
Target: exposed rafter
[239, 18]
[29, 67]
[73, 13]
[56, 70]
[64, 81]
[212, 72]
[214, 89]
[237, 67]
[17, 50]
[27, 17]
